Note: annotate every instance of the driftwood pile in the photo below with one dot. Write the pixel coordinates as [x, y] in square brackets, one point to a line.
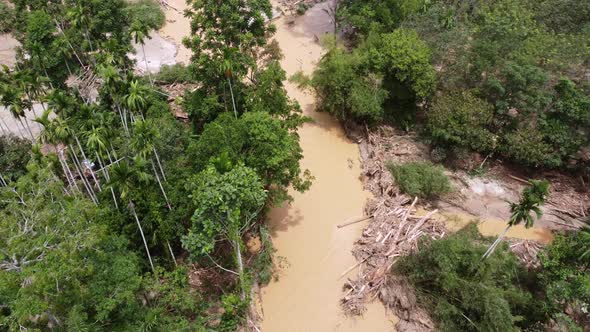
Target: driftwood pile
[527, 252]
[393, 232]
[381, 146]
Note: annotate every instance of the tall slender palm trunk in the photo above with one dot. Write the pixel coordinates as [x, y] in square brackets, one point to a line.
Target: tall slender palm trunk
[147, 250]
[85, 181]
[160, 164]
[494, 245]
[107, 177]
[26, 128]
[67, 172]
[87, 160]
[232, 98]
[160, 184]
[147, 69]
[4, 132]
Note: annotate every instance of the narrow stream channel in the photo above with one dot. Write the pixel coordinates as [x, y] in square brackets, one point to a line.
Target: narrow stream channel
[306, 296]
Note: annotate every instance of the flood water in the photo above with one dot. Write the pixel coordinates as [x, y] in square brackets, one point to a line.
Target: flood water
[306, 296]
[495, 226]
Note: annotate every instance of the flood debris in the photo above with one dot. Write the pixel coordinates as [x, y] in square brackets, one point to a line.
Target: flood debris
[393, 232]
[397, 222]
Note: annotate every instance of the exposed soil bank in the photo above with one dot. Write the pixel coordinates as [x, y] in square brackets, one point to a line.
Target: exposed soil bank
[8, 47]
[306, 296]
[158, 52]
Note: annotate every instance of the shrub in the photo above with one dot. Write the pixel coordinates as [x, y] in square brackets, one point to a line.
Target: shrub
[344, 90]
[465, 293]
[14, 157]
[459, 118]
[302, 8]
[421, 179]
[527, 146]
[565, 278]
[6, 18]
[174, 73]
[147, 12]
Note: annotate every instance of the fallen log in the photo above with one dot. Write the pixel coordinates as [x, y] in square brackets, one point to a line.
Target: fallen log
[352, 267]
[519, 179]
[354, 221]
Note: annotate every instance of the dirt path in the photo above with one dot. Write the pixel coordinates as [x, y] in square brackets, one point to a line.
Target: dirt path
[306, 296]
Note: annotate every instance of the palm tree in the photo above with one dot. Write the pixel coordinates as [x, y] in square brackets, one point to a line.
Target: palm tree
[125, 178]
[143, 143]
[136, 98]
[140, 33]
[530, 201]
[96, 140]
[79, 20]
[12, 99]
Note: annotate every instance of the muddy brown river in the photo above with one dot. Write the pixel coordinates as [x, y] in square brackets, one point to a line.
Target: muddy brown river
[306, 296]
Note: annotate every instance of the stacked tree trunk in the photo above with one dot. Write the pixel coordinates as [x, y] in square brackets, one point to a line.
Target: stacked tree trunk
[527, 252]
[394, 231]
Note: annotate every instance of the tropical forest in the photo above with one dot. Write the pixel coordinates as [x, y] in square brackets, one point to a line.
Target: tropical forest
[295, 165]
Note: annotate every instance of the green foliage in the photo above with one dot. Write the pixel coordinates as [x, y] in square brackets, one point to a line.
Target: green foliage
[565, 278]
[563, 16]
[223, 41]
[268, 95]
[461, 119]
[147, 12]
[302, 8]
[387, 69]
[226, 202]
[530, 201]
[14, 157]
[177, 73]
[402, 57]
[464, 293]
[68, 262]
[375, 15]
[261, 143]
[342, 90]
[420, 179]
[264, 261]
[518, 56]
[6, 18]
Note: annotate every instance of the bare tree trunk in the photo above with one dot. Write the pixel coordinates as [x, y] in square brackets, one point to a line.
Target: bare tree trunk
[71, 47]
[159, 164]
[66, 170]
[491, 249]
[123, 122]
[232, 98]
[147, 250]
[107, 177]
[27, 128]
[160, 184]
[238, 254]
[82, 176]
[4, 132]
[171, 252]
[147, 70]
[85, 160]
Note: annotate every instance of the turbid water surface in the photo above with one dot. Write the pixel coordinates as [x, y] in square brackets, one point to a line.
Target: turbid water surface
[306, 296]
